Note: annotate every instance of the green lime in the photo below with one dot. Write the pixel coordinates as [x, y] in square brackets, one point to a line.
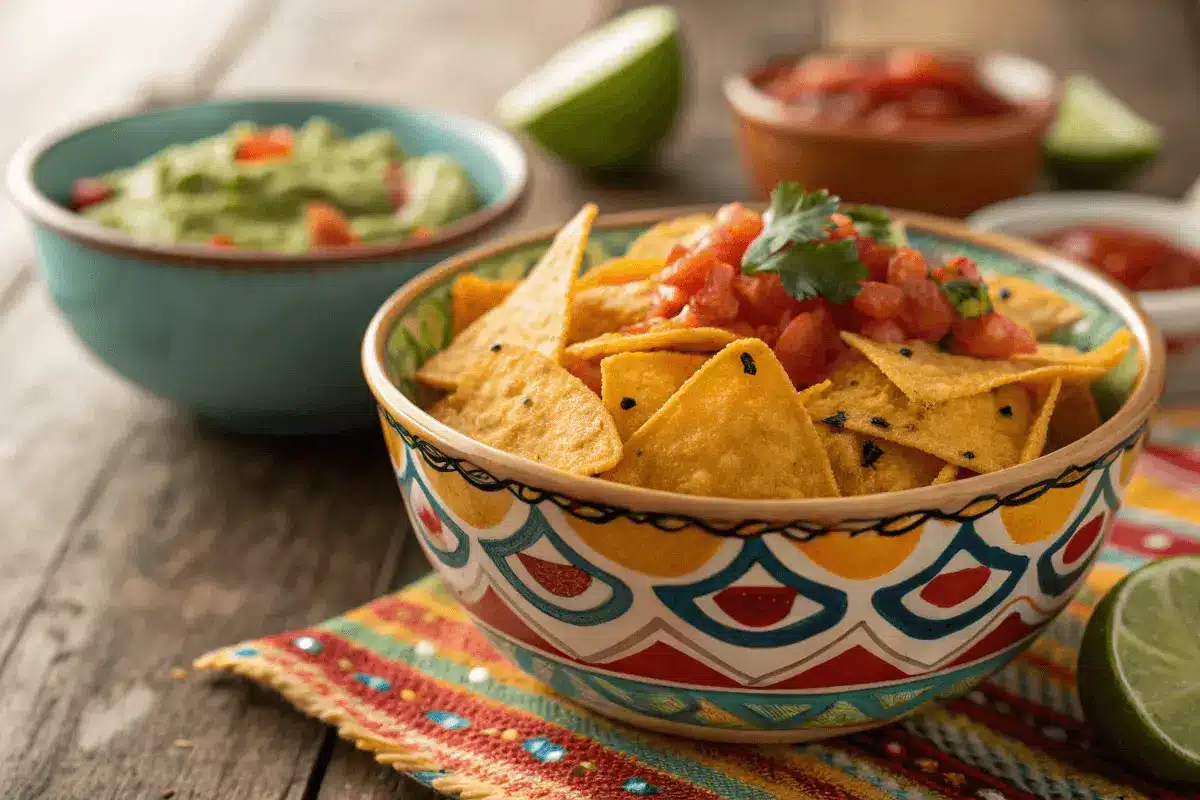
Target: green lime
[608, 99]
[1139, 669]
[1097, 140]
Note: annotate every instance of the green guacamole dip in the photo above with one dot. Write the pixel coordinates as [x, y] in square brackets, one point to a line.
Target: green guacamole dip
[200, 192]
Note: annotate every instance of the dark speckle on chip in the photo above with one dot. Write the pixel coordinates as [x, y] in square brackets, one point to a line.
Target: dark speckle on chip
[1005, 293]
[880, 422]
[906, 352]
[495, 348]
[968, 454]
[627, 403]
[837, 420]
[871, 453]
[748, 365]
[1006, 411]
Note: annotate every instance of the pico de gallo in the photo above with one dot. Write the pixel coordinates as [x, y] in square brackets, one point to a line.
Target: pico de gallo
[900, 88]
[808, 268]
[1139, 260]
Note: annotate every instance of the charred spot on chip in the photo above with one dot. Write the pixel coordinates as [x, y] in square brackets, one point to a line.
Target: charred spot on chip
[837, 420]
[906, 352]
[748, 365]
[627, 403]
[495, 348]
[1006, 411]
[639, 452]
[968, 454]
[871, 453]
[1005, 293]
[880, 422]
[526, 401]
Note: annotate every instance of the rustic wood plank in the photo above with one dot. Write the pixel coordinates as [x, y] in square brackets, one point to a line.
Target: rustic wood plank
[1150, 56]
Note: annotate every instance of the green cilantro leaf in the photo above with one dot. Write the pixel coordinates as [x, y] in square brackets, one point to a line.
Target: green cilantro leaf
[816, 269]
[871, 221]
[794, 215]
[970, 300]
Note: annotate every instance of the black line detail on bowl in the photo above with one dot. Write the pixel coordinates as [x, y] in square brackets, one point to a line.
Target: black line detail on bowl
[799, 530]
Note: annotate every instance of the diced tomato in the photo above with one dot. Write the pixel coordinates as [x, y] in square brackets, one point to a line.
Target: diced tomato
[221, 240]
[89, 191]
[957, 267]
[716, 304]
[327, 227]
[807, 347]
[668, 301]
[878, 300]
[397, 184]
[907, 264]
[926, 314]
[588, 372]
[689, 272]
[763, 298]
[991, 336]
[843, 227]
[276, 142]
[883, 330]
[874, 256]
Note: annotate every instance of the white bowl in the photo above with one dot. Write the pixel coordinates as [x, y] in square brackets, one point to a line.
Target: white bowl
[1177, 311]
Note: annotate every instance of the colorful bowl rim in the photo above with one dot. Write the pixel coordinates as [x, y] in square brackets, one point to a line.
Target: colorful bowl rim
[750, 102]
[501, 147]
[1121, 429]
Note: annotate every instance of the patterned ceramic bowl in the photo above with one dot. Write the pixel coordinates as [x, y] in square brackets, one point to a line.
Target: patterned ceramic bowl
[756, 621]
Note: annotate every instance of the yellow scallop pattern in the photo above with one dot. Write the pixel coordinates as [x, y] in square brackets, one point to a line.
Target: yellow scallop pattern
[1128, 459]
[862, 557]
[645, 549]
[1044, 517]
[395, 445]
[476, 507]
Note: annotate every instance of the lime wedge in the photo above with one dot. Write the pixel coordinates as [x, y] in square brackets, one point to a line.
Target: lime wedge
[1097, 140]
[1139, 669]
[609, 99]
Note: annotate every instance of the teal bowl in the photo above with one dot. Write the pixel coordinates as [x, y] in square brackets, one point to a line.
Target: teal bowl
[253, 342]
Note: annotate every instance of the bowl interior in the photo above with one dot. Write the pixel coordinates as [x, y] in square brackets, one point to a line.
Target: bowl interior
[125, 141]
[423, 327]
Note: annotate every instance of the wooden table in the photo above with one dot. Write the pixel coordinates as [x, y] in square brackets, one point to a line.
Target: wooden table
[132, 540]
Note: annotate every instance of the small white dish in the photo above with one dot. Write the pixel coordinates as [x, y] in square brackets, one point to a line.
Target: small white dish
[1175, 311]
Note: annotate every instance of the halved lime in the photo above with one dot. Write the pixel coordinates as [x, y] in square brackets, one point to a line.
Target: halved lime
[608, 99]
[1097, 140]
[1139, 669]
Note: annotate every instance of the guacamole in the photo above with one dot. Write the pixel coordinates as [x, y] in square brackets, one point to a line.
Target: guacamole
[281, 190]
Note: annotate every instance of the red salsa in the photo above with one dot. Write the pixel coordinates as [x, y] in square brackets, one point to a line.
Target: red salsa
[900, 297]
[1142, 261]
[897, 89]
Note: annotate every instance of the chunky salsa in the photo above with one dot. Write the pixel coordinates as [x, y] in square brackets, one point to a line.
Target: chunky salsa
[897, 89]
[1139, 260]
[281, 189]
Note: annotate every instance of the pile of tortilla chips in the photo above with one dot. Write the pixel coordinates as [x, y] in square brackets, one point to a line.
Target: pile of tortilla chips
[541, 368]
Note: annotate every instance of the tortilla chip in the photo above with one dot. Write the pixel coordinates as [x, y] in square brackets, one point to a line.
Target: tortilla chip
[472, 296]
[1106, 356]
[1075, 416]
[1035, 443]
[736, 428]
[983, 432]
[948, 474]
[664, 337]
[621, 270]
[929, 376]
[816, 390]
[536, 316]
[863, 465]
[519, 401]
[598, 310]
[656, 244]
[635, 385]
[1028, 303]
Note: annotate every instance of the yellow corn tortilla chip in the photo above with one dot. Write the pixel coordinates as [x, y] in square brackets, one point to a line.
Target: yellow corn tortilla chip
[1075, 416]
[929, 376]
[863, 465]
[656, 243]
[519, 401]
[1035, 442]
[621, 270]
[472, 296]
[597, 310]
[665, 337]
[948, 474]
[1028, 303]
[635, 385]
[815, 391]
[536, 316]
[1106, 356]
[983, 432]
[736, 428]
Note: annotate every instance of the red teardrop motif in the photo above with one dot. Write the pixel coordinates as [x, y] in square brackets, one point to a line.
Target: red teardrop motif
[560, 580]
[756, 606]
[1083, 540]
[951, 588]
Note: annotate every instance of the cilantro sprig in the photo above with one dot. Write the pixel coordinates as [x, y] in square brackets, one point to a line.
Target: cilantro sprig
[970, 300]
[795, 244]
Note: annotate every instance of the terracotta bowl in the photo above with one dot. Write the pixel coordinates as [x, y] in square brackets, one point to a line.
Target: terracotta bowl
[952, 169]
[757, 621]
